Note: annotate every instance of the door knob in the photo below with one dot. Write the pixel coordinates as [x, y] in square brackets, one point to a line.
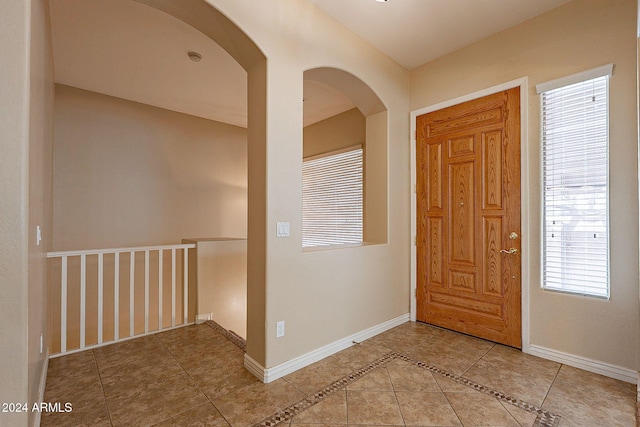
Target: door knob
[509, 251]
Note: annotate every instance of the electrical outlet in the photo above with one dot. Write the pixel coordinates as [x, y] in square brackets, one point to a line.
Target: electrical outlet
[280, 329]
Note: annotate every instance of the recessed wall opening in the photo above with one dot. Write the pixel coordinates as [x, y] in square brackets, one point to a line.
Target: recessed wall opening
[345, 159]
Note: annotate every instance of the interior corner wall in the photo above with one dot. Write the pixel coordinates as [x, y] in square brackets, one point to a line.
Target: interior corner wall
[376, 179]
[257, 216]
[14, 122]
[129, 174]
[25, 166]
[578, 36]
[40, 196]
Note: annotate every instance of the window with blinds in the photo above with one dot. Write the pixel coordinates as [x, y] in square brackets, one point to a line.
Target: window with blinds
[332, 198]
[575, 138]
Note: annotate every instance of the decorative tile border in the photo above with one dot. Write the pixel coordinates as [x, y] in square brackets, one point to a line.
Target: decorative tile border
[295, 409]
[230, 335]
[543, 419]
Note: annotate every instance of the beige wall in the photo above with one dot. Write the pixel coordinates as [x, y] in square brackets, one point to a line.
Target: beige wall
[578, 36]
[222, 282]
[25, 167]
[14, 122]
[340, 131]
[128, 174]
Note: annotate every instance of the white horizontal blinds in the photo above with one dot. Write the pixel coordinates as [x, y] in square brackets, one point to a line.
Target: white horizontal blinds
[575, 138]
[332, 198]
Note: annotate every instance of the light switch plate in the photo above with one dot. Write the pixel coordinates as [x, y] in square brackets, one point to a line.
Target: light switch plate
[282, 229]
[280, 329]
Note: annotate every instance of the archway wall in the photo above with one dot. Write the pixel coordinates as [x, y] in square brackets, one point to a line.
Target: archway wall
[323, 296]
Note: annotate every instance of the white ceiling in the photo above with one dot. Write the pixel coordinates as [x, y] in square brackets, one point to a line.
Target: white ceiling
[128, 50]
[414, 32]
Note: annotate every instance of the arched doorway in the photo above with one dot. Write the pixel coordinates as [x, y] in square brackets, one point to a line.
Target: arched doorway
[224, 34]
[230, 37]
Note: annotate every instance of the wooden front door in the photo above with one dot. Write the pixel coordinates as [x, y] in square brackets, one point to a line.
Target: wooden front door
[468, 218]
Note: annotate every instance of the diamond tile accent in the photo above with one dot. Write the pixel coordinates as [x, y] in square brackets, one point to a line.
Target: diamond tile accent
[543, 419]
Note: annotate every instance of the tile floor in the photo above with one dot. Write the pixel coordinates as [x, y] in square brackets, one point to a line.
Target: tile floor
[413, 375]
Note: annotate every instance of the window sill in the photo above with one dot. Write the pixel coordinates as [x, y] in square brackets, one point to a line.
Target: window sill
[576, 293]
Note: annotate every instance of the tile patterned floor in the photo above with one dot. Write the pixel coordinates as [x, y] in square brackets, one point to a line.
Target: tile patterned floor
[412, 375]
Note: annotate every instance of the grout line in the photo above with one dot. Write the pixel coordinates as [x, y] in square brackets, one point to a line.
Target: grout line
[510, 414]
[476, 362]
[346, 403]
[551, 386]
[295, 386]
[106, 406]
[190, 377]
[452, 408]
[395, 393]
[195, 384]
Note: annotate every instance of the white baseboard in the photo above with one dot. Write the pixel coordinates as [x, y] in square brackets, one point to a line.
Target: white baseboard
[41, 387]
[608, 370]
[255, 368]
[201, 318]
[270, 374]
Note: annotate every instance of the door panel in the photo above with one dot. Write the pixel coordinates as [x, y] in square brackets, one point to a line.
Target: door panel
[468, 200]
[462, 213]
[492, 257]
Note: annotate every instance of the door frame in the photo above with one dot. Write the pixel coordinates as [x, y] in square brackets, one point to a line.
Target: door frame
[523, 84]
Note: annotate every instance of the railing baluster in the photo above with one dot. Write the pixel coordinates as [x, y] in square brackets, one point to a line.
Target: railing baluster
[83, 298]
[160, 289]
[185, 281]
[132, 278]
[63, 306]
[173, 287]
[87, 285]
[116, 296]
[100, 295]
[146, 291]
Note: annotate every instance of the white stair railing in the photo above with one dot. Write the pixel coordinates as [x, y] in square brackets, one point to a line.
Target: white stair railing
[80, 280]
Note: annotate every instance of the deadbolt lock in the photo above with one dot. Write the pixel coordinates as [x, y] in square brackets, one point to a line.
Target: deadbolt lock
[513, 235]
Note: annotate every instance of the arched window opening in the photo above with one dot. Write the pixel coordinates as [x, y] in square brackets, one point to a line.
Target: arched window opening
[344, 188]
